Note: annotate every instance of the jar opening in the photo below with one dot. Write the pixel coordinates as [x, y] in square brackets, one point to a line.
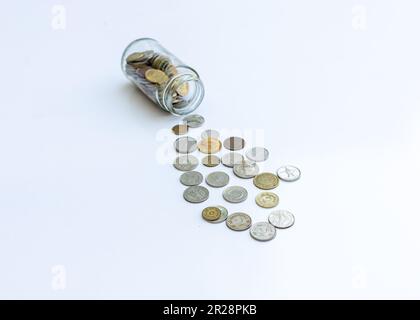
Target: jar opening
[182, 94]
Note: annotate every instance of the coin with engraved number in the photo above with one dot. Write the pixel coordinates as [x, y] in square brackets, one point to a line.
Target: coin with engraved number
[193, 120]
[191, 178]
[186, 163]
[196, 194]
[209, 145]
[257, 154]
[234, 143]
[211, 213]
[180, 129]
[266, 181]
[210, 161]
[281, 219]
[267, 199]
[185, 145]
[217, 179]
[288, 173]
[235, 194]
[246, 169]
[262, 231]
[210, 133]
[156, 76]
[238, 221]
[223, 215]
[231, 158]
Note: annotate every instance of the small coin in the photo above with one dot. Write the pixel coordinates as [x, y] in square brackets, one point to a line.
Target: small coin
[281, 219]
[185, 145]
[191, 178]
[193, 120]
[211, 213]
[217, 179]
[257, 154]
[246, 169]
[156, 76]
[288, 173]
[180, 129]
[223, 215]
[231, 158]
[262, 231]
[234, 143]
[266, 181]
[210, 161]
[210, 133]
[139, 57]
[235, 194]
[182, 89]
[186, 163]
[209, 145]
[267, 199]
[238, 221]
[196, 194]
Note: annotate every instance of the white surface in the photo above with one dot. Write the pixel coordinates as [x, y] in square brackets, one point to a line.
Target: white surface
[81, 188]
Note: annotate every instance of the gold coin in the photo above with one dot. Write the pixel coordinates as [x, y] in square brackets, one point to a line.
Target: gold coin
[267, 199]
[209, 145]
[180, 129]
[171, 70]
[210, 161]
[266, 181]
[156, 76]
[137, 57]
[211, 213]
[182, 89]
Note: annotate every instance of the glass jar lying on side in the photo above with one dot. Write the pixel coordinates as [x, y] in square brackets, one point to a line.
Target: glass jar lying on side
[162, 77]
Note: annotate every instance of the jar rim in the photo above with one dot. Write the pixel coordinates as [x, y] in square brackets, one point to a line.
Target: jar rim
[193, 103]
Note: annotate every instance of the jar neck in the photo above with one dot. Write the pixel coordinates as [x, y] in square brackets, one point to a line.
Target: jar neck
[183, 93]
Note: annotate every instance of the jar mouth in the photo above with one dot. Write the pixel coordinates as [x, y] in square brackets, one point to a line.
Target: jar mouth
[183, 93]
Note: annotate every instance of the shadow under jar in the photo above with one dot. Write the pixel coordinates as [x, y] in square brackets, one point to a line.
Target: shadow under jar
[161, 76]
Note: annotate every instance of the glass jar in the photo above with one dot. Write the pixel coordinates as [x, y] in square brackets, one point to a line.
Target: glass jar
[161, 76]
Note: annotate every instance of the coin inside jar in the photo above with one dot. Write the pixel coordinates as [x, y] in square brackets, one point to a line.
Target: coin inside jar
[211, 213]
[209, 145]
[156, 76]
[139, 57]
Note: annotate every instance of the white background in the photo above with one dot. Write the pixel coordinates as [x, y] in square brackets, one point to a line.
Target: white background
[88, 211]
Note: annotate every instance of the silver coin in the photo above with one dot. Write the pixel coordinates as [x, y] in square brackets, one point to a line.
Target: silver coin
[235, 194]
[281, 219]
[217, 179]
[210, 160]
[193, 120]
[234, 143]
[257, 154]
[210, 133]
[223, 216]
[231, 158]
[186, 163]
[196, 194]
[185, 145]
[288, 173]
[262, 231]
[191, 178]
[238, 221]
[246, 169]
